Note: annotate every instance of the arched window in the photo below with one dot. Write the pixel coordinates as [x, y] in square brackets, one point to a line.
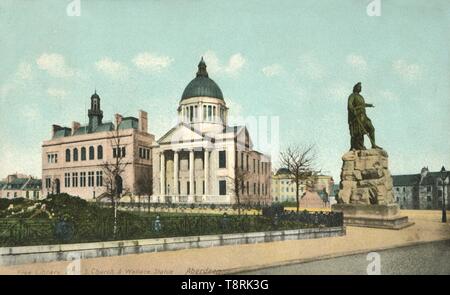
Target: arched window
[75, 154]
[67, 155]
[100, 152]
[83, 154]
[91, 153]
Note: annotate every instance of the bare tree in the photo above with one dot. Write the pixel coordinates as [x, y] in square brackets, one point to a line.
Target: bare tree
[238, 184]
[143, 185]
[299, 161]
[113, 170]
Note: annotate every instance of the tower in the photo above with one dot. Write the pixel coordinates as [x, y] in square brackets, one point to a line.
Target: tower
[95, 114]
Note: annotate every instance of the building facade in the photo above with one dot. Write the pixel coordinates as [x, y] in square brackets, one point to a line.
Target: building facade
[20, 186]
[80, 160]
[283, 189]
[202, 160]
[420, 191]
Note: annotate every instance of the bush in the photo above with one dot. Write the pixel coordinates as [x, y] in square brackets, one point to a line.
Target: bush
[274, 209]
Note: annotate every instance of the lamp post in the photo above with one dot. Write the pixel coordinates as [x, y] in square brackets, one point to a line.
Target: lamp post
[444, 175]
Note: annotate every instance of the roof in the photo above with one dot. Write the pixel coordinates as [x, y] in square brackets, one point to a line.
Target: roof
[202, 85]
[282, 171]
[17, 183]
[415, 179]
[107, 126]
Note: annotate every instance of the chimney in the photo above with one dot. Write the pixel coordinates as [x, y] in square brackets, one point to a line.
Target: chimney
[75, 127]
[118, 120]
[55, 128]
[143, 121]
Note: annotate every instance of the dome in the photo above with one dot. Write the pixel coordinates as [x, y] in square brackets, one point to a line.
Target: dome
[202, 85]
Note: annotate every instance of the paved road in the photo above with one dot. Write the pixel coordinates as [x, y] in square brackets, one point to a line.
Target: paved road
[429, 258]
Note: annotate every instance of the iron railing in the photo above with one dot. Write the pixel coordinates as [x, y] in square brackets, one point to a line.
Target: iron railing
[21, 232]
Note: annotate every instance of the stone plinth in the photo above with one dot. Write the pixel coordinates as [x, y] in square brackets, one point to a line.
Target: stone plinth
[379, 216]
[365, 195]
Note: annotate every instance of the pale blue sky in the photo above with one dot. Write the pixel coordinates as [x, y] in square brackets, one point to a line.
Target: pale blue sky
[295, 60]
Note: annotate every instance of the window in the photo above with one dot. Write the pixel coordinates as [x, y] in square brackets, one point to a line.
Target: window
[67, 155]
[428, 198]
[222, 187]
[191, 114]
[67, 179]
[91, 153]
[83, 179]
[254, 165]
[75, 154]
[248, 168]
[27, 194]
[209, 113]
[91, 178]
[242, 187]
[429, 188]
[242, 161]
[83, 154]
[214, 113]
[248, 188]
[203, 187]
[52, 158]
[100, 152]
[99, 176]
[123, 152]
[114, 152]
[75, 179]
[204, 112]
[188, 188]
[48, 182]
[222, 159]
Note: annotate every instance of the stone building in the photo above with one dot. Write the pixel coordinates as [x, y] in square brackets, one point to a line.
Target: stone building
[202, 160]
[76, 160]
[420, 191]
[20, 186]
[283, 189]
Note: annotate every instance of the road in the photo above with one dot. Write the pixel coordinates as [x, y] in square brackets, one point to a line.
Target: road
[424, 259]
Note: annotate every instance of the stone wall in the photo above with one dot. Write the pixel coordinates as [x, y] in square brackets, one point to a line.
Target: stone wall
[47, 253]
[365, 178]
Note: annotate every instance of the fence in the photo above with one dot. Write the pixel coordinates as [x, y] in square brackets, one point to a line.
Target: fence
[20, 232]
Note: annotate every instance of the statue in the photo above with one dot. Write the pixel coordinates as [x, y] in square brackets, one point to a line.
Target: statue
[365, 192]
[358, 121]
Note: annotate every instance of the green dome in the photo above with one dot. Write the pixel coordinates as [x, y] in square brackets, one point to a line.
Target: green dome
[202, 85]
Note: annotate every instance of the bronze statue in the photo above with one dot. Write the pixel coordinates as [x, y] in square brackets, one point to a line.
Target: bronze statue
[358, 121]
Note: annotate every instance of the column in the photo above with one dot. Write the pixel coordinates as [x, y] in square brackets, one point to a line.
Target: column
[191, 175]
[162, 174]
[206, 170]
[175, 173]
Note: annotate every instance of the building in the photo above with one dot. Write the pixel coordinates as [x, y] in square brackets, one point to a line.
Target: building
[283, 188]
[419, 191]
[20, 186]
[79, 160]
[202, 160]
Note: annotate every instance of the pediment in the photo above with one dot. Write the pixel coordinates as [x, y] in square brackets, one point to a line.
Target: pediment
[181, 133]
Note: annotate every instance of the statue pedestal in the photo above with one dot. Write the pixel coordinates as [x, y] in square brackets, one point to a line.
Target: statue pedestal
[378, 216]
[365, 195]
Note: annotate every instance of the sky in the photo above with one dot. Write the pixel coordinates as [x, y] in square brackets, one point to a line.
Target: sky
[291, 64]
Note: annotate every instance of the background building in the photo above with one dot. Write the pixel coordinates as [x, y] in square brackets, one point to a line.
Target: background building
[77, 160]
[420, 191]
[202, 160]
[283, 189]
[20, 186]
[314, 193]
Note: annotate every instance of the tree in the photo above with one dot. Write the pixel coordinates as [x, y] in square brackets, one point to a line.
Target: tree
[299, 161]
[113, 170]
[237, 184]
[143, 185]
